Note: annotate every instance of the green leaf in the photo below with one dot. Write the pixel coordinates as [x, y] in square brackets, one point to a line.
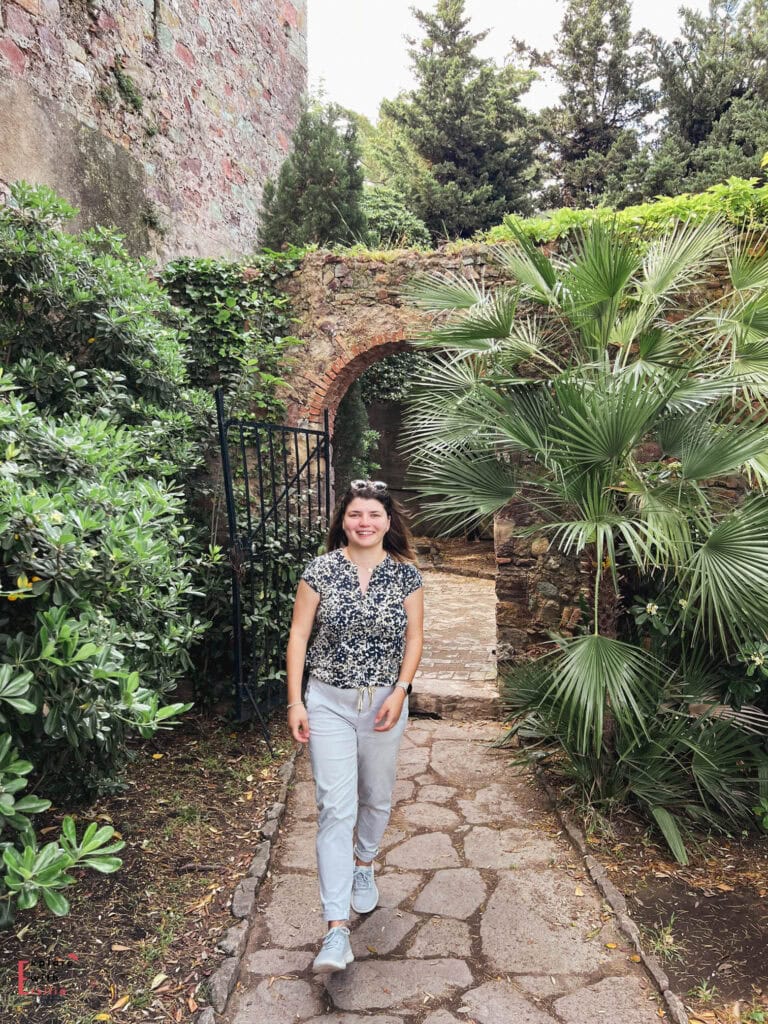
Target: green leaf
[106, 865]
[56, 902]
[671, 832]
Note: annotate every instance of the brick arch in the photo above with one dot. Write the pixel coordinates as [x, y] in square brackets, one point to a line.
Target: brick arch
[346, 369]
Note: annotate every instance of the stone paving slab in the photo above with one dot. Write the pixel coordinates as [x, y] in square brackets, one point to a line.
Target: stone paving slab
[486, 912]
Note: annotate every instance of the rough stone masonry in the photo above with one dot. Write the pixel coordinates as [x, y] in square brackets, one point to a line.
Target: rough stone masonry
[162, 117]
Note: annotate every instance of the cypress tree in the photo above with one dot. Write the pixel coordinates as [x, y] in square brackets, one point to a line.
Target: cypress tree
[318, 192]
[464, 121]
[596, 126]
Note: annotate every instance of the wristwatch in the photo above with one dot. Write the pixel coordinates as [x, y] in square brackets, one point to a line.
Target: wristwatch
[408, 687]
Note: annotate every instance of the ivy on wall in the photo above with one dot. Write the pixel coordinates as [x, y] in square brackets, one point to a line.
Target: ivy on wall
[238, 326]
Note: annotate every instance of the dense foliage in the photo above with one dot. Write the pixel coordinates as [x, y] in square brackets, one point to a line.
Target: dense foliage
[238, 326]
[713, 95]
[594, 388]
[463, 121]
[637, 117]
[391, 378]
[354, 441]
[390, 224]
[740, 201]
[595, 128]
[99, 561]
[318, 193]
[709, 87]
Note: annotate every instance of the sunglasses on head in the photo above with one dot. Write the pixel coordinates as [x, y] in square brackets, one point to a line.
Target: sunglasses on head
[367, 485]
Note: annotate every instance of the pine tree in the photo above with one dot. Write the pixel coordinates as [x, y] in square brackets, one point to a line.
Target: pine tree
[595, 128]
[318, 193]
[714, 92]
[474, 144]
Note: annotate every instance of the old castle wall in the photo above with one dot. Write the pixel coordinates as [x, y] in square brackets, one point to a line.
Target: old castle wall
[163, 117]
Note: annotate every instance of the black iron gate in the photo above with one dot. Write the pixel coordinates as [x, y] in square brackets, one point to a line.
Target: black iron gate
[278, 492]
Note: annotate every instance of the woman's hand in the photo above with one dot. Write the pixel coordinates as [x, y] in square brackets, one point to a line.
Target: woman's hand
[389, 712]
[298, 723]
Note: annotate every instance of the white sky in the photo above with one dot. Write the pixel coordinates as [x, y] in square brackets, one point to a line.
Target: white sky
[357, 49]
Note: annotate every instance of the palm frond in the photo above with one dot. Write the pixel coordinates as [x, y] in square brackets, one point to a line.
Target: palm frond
[438, 292]
[601, 420]
[711, 449]
[467, 486]
[748, 264]
[530, 268]
[664, 540]
[694, 394]
[603, 264]
[669, 826]
[746, 321]
[477, 330]
[595, 673]
[682, 258]
[726, 583]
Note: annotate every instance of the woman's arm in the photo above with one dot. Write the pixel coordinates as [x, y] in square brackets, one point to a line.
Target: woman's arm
[389, 713]
[414, 635]
[304, 609]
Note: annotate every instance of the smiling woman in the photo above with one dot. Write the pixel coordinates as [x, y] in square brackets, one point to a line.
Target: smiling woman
[364, 599]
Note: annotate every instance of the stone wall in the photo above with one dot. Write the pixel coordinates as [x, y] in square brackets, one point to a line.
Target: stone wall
[163, 117]
[351, 313]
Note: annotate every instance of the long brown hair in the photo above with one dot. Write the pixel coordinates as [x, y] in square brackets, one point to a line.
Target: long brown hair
[398, 540]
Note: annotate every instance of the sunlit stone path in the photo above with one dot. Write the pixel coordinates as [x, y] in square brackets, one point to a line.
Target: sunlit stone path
[486, 913]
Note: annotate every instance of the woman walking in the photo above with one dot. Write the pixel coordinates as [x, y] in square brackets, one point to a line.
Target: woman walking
[365, 600]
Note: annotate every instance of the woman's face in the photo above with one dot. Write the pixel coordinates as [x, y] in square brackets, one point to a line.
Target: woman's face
[365, 522]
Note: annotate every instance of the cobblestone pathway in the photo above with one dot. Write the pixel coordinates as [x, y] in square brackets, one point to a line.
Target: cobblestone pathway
[486, 913]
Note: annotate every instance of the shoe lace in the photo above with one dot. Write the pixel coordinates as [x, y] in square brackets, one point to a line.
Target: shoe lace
[334, 937]
[362, 878]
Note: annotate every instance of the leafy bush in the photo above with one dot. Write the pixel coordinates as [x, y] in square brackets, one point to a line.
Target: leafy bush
[390, 379]
[354, 441]
[589, 388]
[391, 225]
[100, 565]
[739, 200]
[237, 327]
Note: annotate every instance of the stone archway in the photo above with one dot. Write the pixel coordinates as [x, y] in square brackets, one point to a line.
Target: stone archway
[347, 368]
[352, 312]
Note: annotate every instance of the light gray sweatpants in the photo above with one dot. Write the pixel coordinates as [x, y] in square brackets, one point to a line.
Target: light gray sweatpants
[354, 769]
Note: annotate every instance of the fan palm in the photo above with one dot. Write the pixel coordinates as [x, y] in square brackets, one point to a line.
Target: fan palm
[548, 387]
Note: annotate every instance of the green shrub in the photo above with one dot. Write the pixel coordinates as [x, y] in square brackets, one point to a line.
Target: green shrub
[237, 327]
[739, 200]
[100, 565]
[391, 225]
[606, 393]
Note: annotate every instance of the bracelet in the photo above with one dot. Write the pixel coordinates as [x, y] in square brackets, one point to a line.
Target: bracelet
[295, 704]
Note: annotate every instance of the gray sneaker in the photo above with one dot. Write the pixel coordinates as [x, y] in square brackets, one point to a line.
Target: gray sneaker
[365, 895]
[335, 953]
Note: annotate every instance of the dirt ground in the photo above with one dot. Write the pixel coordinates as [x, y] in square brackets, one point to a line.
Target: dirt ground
[707, 922]
[139, 944]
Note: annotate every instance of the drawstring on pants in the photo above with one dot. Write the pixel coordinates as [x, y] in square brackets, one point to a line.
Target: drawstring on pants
[361, 690]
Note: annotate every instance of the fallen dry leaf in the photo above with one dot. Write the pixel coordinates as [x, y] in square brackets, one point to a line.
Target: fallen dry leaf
[121, 1003]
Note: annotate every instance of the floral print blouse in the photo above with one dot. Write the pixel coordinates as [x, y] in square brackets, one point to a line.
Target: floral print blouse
[359, 638]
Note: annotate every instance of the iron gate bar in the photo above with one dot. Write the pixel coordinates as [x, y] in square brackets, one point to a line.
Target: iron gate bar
[253, 550]
[295, 479]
